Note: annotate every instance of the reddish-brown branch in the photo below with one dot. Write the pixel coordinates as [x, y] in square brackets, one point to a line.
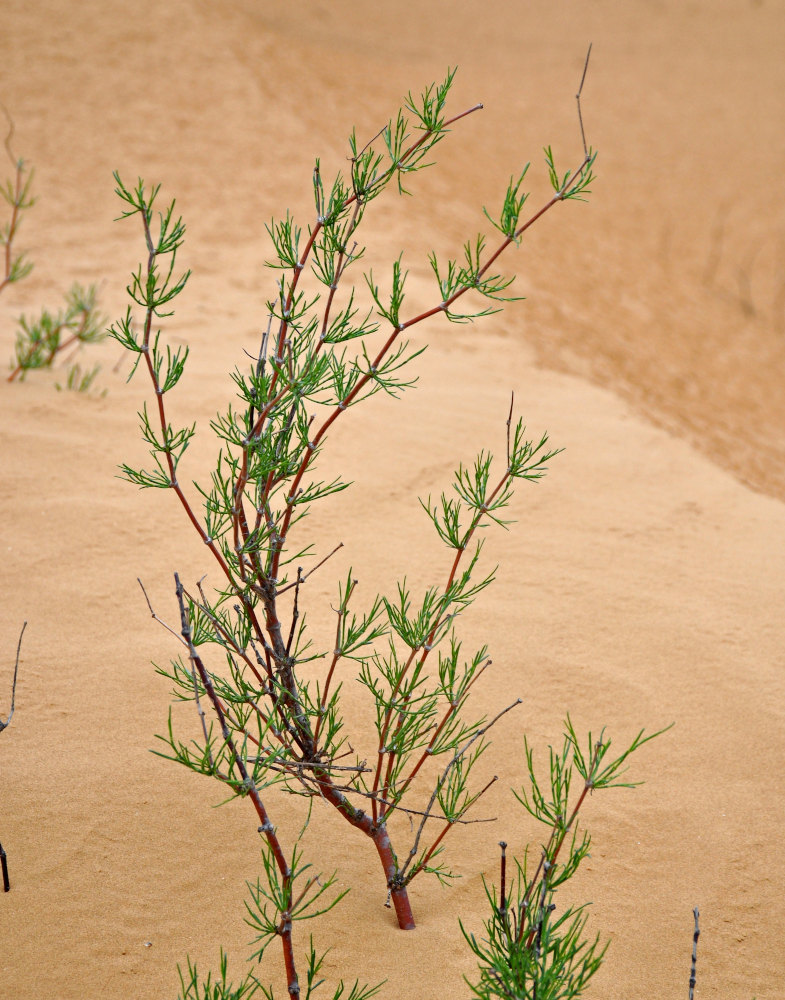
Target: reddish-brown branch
[380, 837]
[452, 708]
[552, 849]
[398, 893]
[292, 983]
[391, 753]
[363, 380]
[159, 395]
[428, 645]
[255, 430]
[445, 830]
[266, 826]
[298, 270]
[461, 753]
[413, 148]
[336, 656]
[248, 607]
[385, 730]
[145, 349]
[340, 268]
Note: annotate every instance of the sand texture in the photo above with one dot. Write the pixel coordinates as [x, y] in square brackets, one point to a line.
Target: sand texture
[642, 583]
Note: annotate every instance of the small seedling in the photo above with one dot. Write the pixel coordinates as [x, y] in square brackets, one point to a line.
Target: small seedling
[529, 950]
[39, 341]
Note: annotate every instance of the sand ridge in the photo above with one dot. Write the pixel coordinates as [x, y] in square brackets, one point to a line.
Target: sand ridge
[642, 583]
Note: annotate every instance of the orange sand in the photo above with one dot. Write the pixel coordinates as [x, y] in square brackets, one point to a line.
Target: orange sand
[643, 581]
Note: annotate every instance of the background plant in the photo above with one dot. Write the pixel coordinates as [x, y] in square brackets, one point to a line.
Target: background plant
[16, 194]
[39, 341]
[315, 363]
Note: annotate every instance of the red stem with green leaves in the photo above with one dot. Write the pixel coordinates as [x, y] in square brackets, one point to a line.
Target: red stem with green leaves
[264, 583]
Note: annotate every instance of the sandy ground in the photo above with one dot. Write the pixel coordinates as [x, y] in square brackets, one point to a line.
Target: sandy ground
[643, 581]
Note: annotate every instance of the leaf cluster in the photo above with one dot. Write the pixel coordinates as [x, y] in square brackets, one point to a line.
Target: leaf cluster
[79, 380]
[277, 900]
[17, 195]
[571, 185]
[479, 501]
[529, 950]
[154, 288]
[39, 340]
[192, 987]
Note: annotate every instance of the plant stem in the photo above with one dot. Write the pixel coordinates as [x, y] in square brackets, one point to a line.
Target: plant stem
[266, 826]
[398, 893]
[378, 834]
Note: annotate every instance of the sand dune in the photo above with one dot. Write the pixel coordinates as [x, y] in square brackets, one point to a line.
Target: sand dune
[642, 583]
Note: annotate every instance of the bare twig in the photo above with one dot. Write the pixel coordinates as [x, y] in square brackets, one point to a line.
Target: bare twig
[4, 865]
[695, 937]
[160, 621]
[266, 826]
[302, 579]
[13, 686]
[458, 756]
[578, 101]
[503, 881]
[509, 425]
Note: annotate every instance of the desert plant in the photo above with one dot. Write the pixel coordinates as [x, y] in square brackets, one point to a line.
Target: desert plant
[314, 364]
[78, 380]
[39, 341]
[529, 952]
[16, 193]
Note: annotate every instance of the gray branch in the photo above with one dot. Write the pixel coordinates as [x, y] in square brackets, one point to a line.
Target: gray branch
[13, 687]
